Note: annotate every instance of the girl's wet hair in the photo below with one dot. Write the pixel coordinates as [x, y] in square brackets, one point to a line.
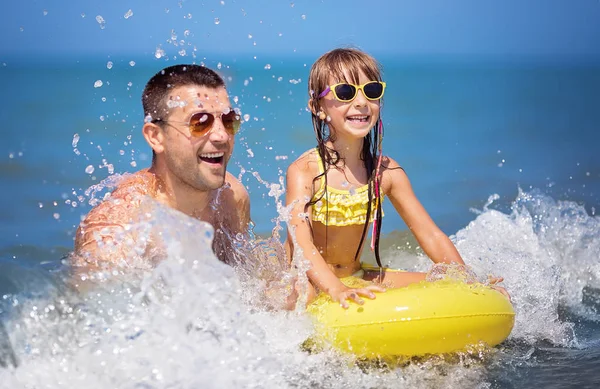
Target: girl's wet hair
[336, 65]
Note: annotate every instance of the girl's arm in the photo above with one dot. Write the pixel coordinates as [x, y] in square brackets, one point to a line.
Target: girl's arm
[432, 240]
[299, 185]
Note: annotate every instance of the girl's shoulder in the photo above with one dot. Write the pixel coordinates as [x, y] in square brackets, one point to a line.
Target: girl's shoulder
[391, 172]
[307, 162]
[304, 169]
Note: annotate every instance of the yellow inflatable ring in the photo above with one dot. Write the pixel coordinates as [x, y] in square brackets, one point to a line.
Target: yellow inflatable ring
[423, 318]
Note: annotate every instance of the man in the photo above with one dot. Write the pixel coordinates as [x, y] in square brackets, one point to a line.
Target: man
[190, 126]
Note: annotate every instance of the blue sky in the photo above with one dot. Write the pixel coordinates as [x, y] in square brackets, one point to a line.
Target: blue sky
[296, 27]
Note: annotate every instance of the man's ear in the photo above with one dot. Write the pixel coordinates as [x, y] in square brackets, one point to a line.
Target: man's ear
[154, 135]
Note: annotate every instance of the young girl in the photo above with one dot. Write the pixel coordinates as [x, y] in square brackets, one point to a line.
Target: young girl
[337, 189]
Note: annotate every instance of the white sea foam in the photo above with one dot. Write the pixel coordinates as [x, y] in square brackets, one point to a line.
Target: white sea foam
[196, 322]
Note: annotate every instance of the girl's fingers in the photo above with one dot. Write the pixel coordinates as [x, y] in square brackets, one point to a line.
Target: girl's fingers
[494, 280]
[355, 295]
[376, 288]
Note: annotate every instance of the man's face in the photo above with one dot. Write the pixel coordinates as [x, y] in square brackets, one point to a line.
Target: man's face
[198, 162]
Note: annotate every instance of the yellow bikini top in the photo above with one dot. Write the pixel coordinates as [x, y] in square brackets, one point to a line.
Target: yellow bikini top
[340, 207]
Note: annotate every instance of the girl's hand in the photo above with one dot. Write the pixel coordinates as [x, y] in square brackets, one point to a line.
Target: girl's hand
[493, 281]
[345, 294]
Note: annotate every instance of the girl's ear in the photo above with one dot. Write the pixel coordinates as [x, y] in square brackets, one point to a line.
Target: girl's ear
[154, 135]
[316, 110]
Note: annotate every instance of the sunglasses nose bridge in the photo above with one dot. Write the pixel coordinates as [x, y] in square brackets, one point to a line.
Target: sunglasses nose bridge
[360, 96]
[218, 131]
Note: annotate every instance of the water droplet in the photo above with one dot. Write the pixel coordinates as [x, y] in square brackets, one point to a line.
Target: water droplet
[45, 12]
[217, 21]
[103, 99]
[250, 153]
[89, 169]
[249, 36]
[268, 66]
[303, 17]
[82, 15]
[292, 5]
[159, 52]
[109, 65]
[219, 66]
[21, 29]
[186, 33]
[128, 14]
[40, 205]
[75, 140]
[131, 63]
[133, 164]
[246, 117]
[56, 215]
[101, 21]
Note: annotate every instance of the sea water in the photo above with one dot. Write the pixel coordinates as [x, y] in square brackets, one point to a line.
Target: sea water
[500, 153]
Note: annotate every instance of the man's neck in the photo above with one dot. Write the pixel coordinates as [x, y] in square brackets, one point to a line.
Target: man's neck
[178, 195]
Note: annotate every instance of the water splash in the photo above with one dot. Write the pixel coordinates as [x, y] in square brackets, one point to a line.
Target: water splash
[547, 253]
[209, 319]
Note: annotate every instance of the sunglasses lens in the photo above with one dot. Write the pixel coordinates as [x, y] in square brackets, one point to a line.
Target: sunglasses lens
[373, 90]
[345, 92]
[200, 123]
[231, 121]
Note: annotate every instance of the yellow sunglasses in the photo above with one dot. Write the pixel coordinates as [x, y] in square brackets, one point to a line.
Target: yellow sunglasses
[344, 92]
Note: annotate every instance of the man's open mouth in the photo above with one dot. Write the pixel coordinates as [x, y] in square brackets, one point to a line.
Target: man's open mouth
[212, 157]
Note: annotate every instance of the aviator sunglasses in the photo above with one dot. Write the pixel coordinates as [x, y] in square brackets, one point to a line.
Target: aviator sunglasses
[344, 92]
[201, 123]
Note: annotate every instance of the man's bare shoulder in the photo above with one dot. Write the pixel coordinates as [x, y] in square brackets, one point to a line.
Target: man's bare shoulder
[234, 208]
[237, 188]
[118, 208]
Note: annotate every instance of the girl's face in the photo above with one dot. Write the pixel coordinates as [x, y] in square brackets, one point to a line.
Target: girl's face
[353, 119]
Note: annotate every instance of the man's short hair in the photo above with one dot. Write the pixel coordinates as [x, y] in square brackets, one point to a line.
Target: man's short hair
[156, 91]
